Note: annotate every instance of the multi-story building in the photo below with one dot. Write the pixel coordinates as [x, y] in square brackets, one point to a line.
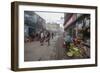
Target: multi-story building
[69, 23]
[78, 25]
[32, 23]
[53, 27]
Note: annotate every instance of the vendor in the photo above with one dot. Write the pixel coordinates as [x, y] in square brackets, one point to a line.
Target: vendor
[67, 40]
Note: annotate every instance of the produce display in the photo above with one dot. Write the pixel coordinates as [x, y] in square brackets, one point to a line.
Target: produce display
[73, 51]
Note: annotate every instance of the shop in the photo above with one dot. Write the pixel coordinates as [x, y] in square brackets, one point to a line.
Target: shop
[78, 28]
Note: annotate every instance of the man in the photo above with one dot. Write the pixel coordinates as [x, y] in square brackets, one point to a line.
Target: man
[48, 38]
[42, 38]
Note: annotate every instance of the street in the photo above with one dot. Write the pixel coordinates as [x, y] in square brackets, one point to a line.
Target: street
[35, 52]
[56, 36]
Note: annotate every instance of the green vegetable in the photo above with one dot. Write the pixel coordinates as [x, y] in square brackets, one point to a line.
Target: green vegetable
[70, 54]
[73, 51]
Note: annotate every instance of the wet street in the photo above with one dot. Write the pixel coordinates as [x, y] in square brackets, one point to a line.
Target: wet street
[35, 52]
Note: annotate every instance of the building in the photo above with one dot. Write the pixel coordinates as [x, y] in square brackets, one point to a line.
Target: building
[32, 23]
[78, 25]
[69, 23]
[54, 27]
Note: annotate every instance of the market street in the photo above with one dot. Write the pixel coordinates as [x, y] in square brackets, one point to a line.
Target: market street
[56, 36]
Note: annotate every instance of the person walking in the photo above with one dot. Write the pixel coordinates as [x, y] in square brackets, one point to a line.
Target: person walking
[52, 35]
[48, 38]
[42, 38]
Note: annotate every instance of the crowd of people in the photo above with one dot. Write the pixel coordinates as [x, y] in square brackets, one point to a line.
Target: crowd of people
[42, 36]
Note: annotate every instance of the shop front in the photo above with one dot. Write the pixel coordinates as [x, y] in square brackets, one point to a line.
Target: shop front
[78, 28]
